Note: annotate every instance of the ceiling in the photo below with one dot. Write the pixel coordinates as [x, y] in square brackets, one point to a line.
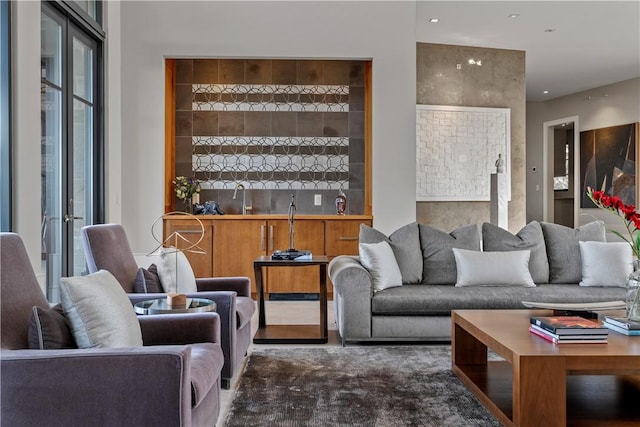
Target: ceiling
[593, 43]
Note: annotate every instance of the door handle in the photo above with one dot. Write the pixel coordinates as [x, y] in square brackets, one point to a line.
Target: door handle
[271, 238]
[69, 218]
[262, 237]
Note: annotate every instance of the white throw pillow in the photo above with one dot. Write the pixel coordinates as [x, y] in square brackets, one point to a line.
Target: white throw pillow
[477, 268]
[99, 311]
[605, 263]
[175, 272]
[379, 260]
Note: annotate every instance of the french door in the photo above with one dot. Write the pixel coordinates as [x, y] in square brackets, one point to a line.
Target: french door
[71, 141]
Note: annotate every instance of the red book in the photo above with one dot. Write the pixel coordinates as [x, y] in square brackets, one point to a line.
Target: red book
[568, 325]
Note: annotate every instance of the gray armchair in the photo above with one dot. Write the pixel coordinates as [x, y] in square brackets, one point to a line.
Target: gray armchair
[169, 381]
[106, 247]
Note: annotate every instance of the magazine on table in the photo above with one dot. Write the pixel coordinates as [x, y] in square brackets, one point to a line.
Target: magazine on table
[568, 325]
[568, 339]
[622, 322]
[602, 335]
[623, 331]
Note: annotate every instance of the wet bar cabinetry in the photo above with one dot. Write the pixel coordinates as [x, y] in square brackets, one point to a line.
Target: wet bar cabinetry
[232, 242]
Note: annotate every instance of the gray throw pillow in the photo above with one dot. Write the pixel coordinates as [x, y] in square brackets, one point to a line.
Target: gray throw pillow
[477, 268]
[530, 237]
[175, 272]
[99, 311]
[147, 281]
[563, 249]
[616, 256]
[439, 263]
[49, 329]
[405, 243]
[380, 262]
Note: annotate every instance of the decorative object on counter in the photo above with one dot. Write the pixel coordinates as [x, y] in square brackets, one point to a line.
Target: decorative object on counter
[500, 164]
[207, 208]
[186, 189]
[631, 220]
[291, 253]
[341, 203]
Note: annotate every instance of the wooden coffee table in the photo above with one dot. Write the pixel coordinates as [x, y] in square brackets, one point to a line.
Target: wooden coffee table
[543, 384]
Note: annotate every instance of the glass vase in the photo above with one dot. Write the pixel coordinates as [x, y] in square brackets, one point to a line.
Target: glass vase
[188, 205]
[633, 293]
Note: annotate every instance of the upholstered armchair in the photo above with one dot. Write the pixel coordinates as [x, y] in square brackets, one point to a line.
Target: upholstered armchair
[106, 247]
[167, 381]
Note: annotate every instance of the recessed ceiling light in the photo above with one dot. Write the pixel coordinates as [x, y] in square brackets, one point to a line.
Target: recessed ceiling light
[434, 20]
[545, 92]
[549, 30]
[514, 15]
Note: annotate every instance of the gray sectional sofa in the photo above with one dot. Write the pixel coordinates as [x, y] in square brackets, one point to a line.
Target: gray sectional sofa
[431, 271]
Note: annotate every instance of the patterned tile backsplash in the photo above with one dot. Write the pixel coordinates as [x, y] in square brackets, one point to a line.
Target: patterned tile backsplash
[275, 126]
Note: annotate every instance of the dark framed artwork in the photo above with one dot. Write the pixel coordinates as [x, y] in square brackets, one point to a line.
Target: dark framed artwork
[608, 162]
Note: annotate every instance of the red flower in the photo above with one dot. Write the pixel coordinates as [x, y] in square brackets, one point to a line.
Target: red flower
[617, 203]
[596, 195]
[627, 213]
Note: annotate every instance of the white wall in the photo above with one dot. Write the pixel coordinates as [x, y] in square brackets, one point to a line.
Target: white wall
[25, 111]
[113, 122]
[620, 106]
[152, 31]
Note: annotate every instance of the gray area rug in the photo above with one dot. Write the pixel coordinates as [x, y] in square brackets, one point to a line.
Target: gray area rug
[354, 386]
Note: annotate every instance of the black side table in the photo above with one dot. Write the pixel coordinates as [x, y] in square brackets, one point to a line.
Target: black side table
[291, 334]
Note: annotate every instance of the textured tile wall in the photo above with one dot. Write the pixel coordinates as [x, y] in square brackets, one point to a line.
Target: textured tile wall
[276, 126]
[498, 82]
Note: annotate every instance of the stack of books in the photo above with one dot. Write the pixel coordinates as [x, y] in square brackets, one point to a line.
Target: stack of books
[568, 329]
[622, 325]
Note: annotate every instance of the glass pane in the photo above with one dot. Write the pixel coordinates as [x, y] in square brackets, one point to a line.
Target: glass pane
[82, 70]
[82, 183]
[51, 50]
[5, 120]
[51, 203]
[88, 6]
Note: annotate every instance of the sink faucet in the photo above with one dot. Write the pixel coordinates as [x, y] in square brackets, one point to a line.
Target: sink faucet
[245, 208]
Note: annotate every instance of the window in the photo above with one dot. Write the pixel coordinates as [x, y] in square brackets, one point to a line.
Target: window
[72, 141]
[5, 117]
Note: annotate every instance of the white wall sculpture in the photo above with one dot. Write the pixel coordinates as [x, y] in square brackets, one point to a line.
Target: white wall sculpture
[456, 150]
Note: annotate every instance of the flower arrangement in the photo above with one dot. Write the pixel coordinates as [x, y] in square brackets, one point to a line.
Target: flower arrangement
[186, 187]
[627, 213]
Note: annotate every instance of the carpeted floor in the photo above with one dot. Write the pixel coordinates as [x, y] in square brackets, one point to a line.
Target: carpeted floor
[354, 386]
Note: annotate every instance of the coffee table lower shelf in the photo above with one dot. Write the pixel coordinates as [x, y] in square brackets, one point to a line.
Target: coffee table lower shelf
[592, 400]
[535, 383]
[290, 334]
